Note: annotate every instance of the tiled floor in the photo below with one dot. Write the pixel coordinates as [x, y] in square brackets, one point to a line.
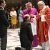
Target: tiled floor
[13, 40]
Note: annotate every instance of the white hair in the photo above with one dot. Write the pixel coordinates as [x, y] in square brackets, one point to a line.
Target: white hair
[41, 2]
[29, 3]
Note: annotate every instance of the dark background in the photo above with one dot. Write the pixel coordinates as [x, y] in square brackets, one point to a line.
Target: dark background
[16, 3]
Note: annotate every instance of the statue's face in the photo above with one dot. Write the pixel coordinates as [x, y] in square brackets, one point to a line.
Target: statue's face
[40, 6]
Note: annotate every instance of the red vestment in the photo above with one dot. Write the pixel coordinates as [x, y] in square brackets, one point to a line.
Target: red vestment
[42, 27]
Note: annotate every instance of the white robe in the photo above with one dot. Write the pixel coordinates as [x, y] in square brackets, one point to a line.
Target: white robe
[33, 26]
